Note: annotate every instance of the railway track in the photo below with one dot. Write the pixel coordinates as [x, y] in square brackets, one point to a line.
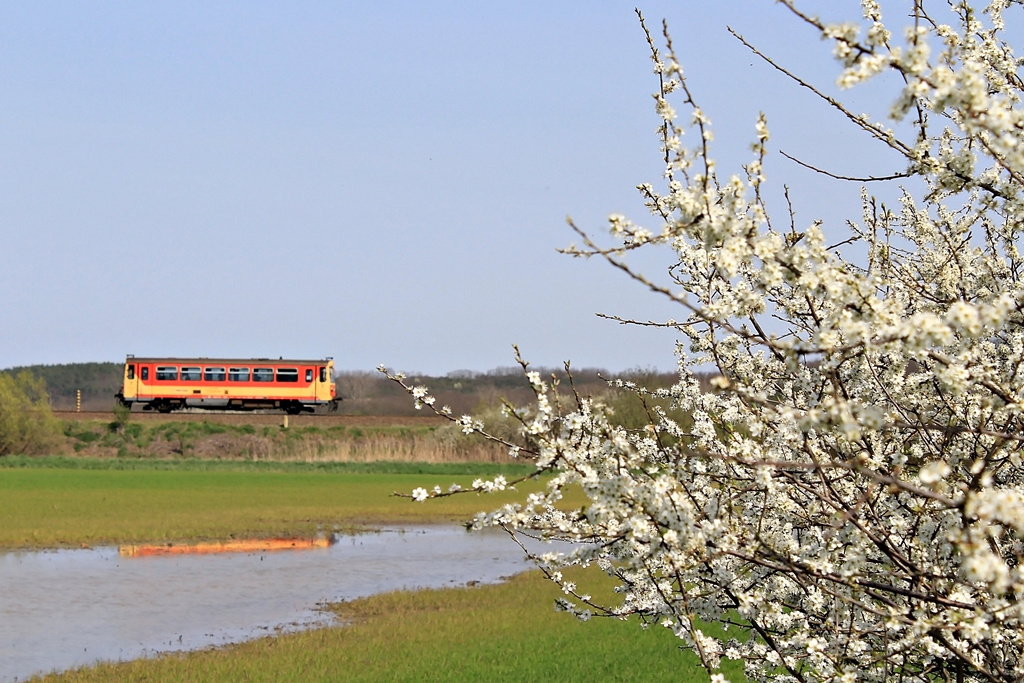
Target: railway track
[257, 418]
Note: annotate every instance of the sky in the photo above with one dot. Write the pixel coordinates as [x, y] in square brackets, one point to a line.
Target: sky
[383, 183]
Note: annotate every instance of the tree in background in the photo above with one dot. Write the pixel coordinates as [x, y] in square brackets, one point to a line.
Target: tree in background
[97, 382]
[849, 499]
[27, 425]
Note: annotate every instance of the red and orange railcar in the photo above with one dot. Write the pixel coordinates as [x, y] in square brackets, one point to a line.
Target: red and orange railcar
[167, 384]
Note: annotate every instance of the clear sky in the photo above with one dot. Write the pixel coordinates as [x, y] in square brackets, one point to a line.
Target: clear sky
[381, 182]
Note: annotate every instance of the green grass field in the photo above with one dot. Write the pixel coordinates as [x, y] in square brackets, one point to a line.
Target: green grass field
[64, 502]
[506, 632]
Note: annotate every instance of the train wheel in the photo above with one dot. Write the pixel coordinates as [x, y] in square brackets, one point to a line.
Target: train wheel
[165, 407]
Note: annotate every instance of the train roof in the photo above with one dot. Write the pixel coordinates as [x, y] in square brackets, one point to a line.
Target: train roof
[170, 360]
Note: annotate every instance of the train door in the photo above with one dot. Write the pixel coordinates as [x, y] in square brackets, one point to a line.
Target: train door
[325, 374]
[316, 389]
[130, 382]
[331, 387]
[323, 379]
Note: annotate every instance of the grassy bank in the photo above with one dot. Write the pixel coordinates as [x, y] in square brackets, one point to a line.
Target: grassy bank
[505, 632]
[68, 502]
[131, 437]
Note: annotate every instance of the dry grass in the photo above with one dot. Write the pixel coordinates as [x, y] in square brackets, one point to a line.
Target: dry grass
[374, 448]
[206, 439]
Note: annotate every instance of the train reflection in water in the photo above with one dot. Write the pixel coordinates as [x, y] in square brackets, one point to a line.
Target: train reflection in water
[75, 607]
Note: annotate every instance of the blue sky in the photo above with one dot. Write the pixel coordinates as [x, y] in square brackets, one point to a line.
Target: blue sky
[381, 182]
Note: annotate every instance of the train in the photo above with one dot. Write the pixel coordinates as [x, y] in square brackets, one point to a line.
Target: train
[168, 384]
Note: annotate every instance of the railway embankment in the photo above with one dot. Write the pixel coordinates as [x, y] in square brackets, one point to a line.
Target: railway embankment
[256, 437]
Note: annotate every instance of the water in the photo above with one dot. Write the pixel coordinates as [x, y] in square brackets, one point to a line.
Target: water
[66, 608]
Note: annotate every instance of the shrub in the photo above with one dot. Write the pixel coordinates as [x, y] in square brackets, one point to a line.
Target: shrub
[27, 425]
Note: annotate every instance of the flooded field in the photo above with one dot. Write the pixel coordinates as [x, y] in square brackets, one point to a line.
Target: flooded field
[66, 608]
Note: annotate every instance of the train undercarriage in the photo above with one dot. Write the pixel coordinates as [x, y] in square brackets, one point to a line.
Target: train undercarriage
[167, 405]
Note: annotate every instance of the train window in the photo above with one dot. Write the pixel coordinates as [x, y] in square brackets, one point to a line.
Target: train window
[323, 374]
[287, 375]
[238, 374]
[131, 372]
[145, 373]
[213, 375]
[263, 375]
[166, 373]
[309, 374]
[191, 374]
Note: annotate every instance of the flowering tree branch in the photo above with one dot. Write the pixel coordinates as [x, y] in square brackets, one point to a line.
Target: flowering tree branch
[849, 498]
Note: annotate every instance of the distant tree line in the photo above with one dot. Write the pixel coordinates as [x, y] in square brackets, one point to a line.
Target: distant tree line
[466, 391]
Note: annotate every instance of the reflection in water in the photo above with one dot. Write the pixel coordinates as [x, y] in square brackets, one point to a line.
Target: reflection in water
[66, 608]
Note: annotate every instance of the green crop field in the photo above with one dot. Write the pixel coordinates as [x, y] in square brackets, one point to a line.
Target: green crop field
[73, 502]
